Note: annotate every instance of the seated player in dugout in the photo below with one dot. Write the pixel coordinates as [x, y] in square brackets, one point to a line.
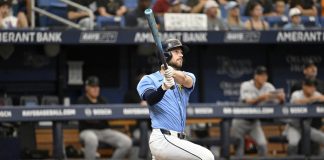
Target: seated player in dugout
[167, 93]
[305, 96]
[95, 131]
[310, 71]
[255, 92]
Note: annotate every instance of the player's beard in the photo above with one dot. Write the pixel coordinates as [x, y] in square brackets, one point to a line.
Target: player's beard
[176, 65]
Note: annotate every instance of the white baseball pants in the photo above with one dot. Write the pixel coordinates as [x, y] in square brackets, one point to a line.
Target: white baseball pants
[170, 147]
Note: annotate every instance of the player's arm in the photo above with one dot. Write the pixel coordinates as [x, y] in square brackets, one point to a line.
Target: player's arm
[180, 77]
[308, 100]
[298, 100]
[278, 94]
[255, 101]
[73, 15]
[154, 96]
[148, 92]
[302, 101]
[281, 97]
[183, 79]
[246, 96]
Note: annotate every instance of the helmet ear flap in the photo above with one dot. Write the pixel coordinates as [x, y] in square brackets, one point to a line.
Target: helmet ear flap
[168, 56]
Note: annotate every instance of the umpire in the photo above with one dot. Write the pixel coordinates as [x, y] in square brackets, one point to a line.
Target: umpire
[255, 92]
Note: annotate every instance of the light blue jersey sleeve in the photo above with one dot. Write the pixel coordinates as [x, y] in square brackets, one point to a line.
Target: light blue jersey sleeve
[145, 84]
[193, 81]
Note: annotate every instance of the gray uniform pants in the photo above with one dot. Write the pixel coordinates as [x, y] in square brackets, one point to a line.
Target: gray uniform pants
[117, 139]
[293, 134]
[241, 127]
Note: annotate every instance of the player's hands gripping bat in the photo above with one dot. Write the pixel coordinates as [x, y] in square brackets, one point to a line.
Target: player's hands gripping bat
[152, 24]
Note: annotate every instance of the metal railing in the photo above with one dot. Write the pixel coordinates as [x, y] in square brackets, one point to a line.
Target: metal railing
[60, 19]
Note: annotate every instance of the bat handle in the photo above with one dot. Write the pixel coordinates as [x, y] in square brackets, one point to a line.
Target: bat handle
[165, 68]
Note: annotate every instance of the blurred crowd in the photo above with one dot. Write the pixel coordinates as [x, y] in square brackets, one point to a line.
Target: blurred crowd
[221, 14]
[13, 17]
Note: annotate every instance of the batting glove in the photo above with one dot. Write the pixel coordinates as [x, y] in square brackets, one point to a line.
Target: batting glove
[169, 72]
[168, 82]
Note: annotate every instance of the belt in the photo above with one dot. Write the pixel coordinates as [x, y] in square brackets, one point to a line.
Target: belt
[173, 133]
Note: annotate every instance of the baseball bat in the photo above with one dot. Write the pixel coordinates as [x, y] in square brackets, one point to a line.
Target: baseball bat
[152, 24]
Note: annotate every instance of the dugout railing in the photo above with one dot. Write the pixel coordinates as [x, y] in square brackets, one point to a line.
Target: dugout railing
[59, 114]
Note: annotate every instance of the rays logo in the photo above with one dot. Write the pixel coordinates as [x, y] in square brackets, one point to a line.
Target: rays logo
[234, 68]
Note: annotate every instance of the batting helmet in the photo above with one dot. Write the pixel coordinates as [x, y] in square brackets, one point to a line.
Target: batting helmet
[171, 44]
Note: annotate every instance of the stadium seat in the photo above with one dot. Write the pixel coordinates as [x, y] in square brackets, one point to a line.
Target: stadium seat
[58, 3]
[59, 11]
[55, 7]
[242, 9]
[130, 4]
[103, 21]
[244, 18]
[223, 11]
[43, 3]
[277, 21]
[311, 21]
[29, 101]
[50, 100]
[287, 10]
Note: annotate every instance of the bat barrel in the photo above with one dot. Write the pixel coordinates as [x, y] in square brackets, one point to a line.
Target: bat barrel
[152, 23]
[148, 11]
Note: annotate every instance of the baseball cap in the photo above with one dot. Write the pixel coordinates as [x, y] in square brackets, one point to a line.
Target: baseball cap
[309, 63]
[294, 12]
[92, 81]
[310, 82]
[231, 4]
[174, 2]
[210, 4]
[260, 70]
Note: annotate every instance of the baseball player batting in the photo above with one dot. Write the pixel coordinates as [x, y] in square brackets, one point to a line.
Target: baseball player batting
[168, 107]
